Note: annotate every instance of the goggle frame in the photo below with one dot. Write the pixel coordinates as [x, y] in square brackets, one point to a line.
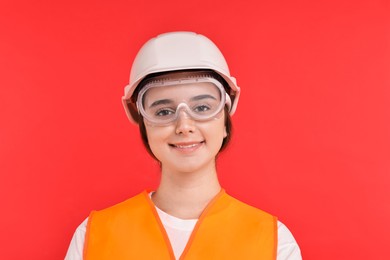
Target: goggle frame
[193, 79]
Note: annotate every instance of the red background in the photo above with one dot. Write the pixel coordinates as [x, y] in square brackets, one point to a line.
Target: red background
[312, 130]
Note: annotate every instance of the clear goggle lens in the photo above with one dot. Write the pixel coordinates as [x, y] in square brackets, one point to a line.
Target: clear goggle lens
[161, 101]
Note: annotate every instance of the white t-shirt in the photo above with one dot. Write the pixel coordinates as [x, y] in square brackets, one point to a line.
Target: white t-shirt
[179, 232]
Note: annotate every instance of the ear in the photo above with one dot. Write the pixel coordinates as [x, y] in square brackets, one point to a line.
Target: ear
[224, 132]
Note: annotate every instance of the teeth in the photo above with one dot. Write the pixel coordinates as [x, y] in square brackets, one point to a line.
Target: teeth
[186, 146]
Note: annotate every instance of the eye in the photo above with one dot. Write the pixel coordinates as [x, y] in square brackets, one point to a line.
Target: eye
[164, 112]
[201, 108]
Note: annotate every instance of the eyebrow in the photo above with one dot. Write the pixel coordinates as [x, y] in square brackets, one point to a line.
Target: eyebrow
[161, 102]
[169, 101]
[196, 98]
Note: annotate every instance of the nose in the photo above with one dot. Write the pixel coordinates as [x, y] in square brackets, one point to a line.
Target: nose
[184, 124]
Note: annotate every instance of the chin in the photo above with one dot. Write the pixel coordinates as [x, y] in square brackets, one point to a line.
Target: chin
[192, 166]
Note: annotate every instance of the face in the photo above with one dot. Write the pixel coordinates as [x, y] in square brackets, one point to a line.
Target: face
[185, 144]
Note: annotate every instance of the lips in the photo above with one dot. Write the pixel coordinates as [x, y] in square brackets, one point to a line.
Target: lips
[187, 146]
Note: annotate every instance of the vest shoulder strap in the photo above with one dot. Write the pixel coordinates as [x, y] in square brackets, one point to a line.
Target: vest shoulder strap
[128, 230]
[231, 229]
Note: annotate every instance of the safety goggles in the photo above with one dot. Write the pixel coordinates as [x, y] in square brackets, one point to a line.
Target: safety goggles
[201, 97]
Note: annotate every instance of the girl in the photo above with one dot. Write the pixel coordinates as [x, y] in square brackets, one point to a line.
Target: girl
[181, 95]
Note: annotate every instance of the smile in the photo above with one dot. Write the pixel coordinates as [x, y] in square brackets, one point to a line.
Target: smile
[187, 146]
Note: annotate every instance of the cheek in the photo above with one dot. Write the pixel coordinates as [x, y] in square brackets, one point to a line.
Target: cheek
[217, 132]
[153, 135]
[157, 136]
[154, 144]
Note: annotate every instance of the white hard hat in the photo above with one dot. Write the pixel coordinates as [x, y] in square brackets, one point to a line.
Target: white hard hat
[177, 51]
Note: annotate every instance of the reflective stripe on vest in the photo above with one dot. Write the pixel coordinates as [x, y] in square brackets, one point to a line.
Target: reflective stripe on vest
[227, 229]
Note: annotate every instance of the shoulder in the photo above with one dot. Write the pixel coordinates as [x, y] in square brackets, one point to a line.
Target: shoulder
[288, 248]
[75, 250]
[249, 210]
[242, 216]
[126, 207]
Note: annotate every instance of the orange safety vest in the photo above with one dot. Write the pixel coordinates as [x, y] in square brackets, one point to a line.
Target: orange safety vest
[227, 229]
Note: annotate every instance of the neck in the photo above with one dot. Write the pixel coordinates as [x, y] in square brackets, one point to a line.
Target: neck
[185, 195]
